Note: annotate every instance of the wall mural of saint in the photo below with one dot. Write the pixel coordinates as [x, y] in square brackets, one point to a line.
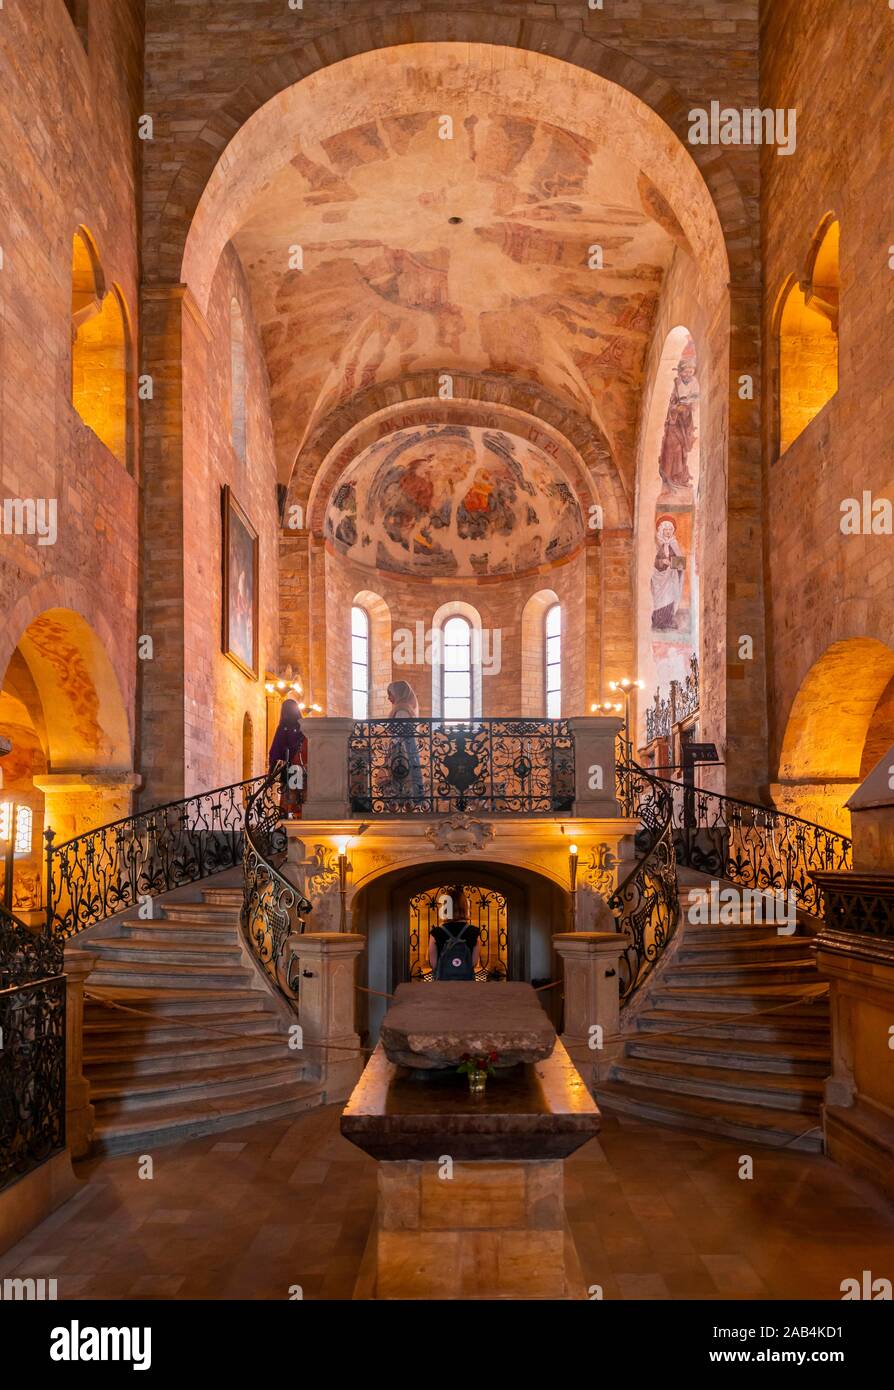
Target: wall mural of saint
[673, 579]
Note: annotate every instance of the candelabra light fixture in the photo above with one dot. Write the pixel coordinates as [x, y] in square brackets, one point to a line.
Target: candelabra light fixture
[290, 687]
[626, 687]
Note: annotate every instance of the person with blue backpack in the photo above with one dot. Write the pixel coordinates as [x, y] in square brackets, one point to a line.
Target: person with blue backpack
[454, 948]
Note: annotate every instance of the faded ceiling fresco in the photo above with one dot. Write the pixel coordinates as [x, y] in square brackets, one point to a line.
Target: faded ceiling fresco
[453, 500]
[468, 253]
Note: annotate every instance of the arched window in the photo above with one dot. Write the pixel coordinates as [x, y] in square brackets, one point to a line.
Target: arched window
[360, 662]
[457, 662]
[99, 349]
[457, 669]
[553, 645]
[237, 380]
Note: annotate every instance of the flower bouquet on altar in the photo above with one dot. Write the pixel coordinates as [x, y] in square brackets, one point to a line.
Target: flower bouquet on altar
[478, 1069]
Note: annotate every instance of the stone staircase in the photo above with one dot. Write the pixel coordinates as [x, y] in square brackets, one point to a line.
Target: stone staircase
[206, 1047]
[713, 1050]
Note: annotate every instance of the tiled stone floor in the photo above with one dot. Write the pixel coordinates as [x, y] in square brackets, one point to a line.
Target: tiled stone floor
[656, 1213]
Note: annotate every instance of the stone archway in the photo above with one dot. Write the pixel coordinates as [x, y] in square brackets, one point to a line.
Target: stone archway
[536, 908]
[72, 760]
[841, 705]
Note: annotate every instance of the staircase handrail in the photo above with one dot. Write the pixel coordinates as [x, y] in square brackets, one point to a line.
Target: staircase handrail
[646, 902]
[273, 907]
[712, 837]
[103, 871]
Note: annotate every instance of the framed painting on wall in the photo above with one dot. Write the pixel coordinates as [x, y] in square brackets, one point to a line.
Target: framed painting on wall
[240, 587]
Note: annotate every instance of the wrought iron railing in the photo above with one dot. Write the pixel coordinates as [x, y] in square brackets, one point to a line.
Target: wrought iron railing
[427, 766]
[117, 866]
[273, 909]
[32, 1048]
[754, 846]
[681, 702]
[646, 903]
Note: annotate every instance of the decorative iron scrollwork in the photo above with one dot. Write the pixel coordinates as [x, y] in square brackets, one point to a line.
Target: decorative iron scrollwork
[428, 767]
[273, 909]
[113, 867]
[32, 1048]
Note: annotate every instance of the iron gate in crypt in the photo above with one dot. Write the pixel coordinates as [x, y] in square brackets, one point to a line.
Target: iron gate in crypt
[488, 911]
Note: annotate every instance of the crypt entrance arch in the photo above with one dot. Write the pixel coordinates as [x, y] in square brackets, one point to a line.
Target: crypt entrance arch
[523, 907]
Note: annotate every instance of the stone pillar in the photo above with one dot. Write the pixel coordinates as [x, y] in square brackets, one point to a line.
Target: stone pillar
[590, 962]
[79, 1117]
[594, 765]
[858, 1115]
[76, 802]
[327, 769]
[326, 965]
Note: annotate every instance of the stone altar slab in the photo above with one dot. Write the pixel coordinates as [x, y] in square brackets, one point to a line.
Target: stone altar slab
[431, 1026]
[536, 1111]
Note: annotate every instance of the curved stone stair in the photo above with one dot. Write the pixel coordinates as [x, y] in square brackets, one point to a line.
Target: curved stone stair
[206, 1046]
[706, 1055]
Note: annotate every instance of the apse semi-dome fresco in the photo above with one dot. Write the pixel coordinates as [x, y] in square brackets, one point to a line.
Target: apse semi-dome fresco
[453, 500]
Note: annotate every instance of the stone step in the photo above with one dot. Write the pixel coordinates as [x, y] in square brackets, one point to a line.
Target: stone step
[781, 950]
[131, 1093]
[175, 975]
[163, 1001]
[223, 896]
[704, 975]
[739, 998]
[731, 1086]
[165, 949]
[751, 1123]
[224, 913]
[712, 931]
[118, 1061]
[161, 930]
[789, 1058]
[785, 1028]
[103, 1025]
[125, 1131]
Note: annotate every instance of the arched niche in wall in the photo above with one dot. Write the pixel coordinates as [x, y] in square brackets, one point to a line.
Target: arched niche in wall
[533, 664]
[843, 704]
[667, 560]
[807, 336]
[100, 349]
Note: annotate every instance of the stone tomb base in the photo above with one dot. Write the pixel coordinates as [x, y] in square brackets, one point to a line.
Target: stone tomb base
[492, 1230]
[471, 1190]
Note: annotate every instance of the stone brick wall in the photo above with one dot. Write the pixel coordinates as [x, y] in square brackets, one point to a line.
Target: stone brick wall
[833, 65]
[68, 123]
[500, 603]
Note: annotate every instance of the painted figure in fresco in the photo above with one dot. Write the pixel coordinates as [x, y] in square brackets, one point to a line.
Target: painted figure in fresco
[679, 428]
[667, 575]
[403, 753]
[289, 747]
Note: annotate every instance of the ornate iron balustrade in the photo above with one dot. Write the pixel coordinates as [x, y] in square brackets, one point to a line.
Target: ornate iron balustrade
[646, 903]
[273, 909]
[755, 846]
[429, 767]
[32, 1048]
[681, 703]
[115, 866]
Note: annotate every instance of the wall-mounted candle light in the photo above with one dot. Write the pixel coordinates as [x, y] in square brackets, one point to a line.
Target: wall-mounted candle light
[344, 869]
[572, 875]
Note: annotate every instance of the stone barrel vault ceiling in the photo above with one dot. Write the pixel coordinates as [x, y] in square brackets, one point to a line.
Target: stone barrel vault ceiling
[453, 500]
[391, 285]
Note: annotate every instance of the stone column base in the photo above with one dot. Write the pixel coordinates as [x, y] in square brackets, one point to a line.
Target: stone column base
[493, 1230]
[26, 1203]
